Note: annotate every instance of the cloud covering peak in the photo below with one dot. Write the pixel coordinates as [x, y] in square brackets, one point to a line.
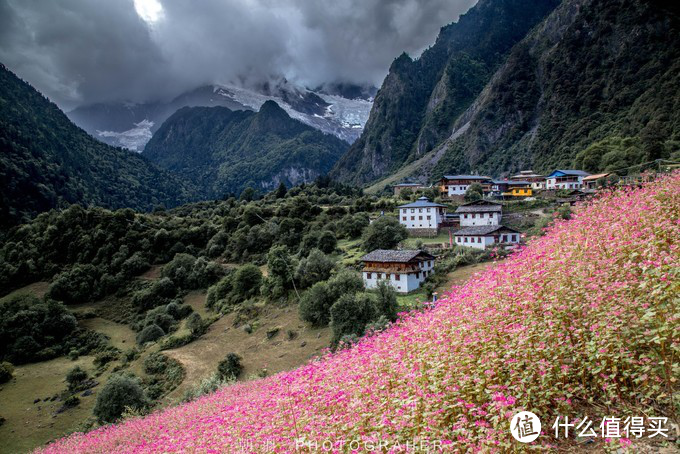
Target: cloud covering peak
[85, 51]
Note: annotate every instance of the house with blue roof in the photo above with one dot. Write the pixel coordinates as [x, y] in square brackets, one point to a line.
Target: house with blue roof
[422, 217]
[565, 179]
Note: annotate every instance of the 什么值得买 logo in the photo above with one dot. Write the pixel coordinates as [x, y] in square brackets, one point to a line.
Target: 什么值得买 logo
[525, 427]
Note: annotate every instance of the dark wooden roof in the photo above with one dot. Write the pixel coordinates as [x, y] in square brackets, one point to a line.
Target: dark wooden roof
[484, 230]
[390, 255]
[479, 206]
[422, 202]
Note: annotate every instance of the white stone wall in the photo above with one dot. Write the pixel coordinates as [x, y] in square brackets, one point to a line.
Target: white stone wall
[458, 189]
[473, 219]
[417, 218]
[483, 242]
[477, 242]
[552, 183]
[511, 237]
[407, 282]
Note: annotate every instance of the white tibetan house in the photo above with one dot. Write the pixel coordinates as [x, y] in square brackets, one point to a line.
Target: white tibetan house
[404, 270]
[565, 179]
[484, 236]
[422, 217]
[480, 212]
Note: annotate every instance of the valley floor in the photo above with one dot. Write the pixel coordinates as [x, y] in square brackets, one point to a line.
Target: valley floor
[30, 424]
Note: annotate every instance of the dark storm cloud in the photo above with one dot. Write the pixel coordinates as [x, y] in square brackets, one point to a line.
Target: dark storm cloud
[79, 51]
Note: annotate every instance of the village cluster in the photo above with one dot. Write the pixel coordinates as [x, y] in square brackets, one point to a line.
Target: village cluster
[476, 224]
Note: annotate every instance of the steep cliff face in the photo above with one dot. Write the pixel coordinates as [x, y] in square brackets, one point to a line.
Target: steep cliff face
[591, 71]
[420, 99]
[225, 151]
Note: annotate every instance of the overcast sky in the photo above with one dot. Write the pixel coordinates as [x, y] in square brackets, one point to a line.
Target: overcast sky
[85, 51]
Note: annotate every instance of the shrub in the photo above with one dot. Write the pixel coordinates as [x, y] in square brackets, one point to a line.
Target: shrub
[564, 211]
[103, 358]
[119, 393]
[346, 282]
[188, 272]
[384, 233]
[150, 333]
[316, 267]
[386, 302]
[135, 265]
[195, 324]
[77, 285]
[246, 283]
[176, 341]
[178, 311]
[474, 192]
[280, 266]
[179, 270]
[381, 324]
[315, 304]
[230, 367]
[32, 329]
[327, 242]
[155, 363]
[206, 386]
[71, 401]
[218, 294]
[160, 293]
[350, 314]
[352, 225]
[75, 378]
[309, 241]
[6, 371]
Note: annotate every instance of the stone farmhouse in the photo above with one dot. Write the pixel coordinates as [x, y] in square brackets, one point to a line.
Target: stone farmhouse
[422, 217]
[404, 270]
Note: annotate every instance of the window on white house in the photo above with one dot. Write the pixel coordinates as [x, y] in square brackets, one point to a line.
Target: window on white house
[397, 277]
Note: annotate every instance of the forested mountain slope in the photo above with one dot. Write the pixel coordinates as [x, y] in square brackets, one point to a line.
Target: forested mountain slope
[225, 151]
[595, 86]
[48, 162]
[420, 99]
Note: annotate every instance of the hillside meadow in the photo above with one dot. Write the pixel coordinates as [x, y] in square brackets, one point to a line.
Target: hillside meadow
[582, 322]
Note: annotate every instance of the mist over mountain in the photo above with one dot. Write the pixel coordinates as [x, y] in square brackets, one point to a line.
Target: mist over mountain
[338, 109]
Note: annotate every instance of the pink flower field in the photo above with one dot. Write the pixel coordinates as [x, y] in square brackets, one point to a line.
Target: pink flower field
[583, 321]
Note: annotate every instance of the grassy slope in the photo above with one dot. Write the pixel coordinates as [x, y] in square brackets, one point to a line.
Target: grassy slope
[580, 322]
[29, 425]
